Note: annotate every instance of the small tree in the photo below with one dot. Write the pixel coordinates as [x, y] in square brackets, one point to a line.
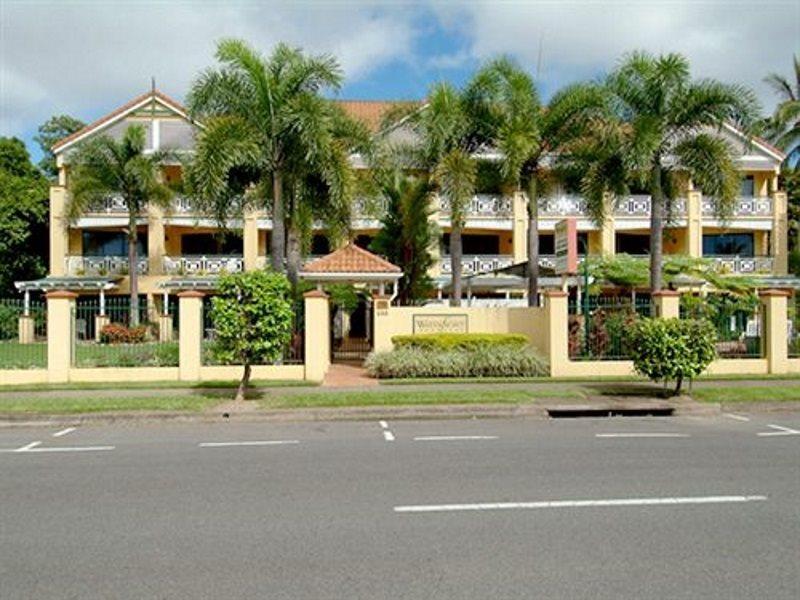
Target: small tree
[672, 349]
[252, 316]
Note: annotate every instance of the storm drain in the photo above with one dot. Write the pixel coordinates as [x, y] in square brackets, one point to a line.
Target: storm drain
[565, 412]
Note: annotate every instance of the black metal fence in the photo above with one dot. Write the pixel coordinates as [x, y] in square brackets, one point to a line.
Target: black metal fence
[599, 325]
[23, 345]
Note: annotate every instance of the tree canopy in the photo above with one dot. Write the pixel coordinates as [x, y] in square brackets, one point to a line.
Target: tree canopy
[51, 131]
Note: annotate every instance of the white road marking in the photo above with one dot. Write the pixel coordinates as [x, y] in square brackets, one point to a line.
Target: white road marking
[388, 436]
[384, 424]
[254, 443]
[736, 417]
[422, 508]
[642, 435]
[452, 438]
[780, 431]
[64, 431]
[28, 447]
[71, 449]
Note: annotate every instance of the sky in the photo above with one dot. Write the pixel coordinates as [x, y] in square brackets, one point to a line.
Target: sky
[85, 58]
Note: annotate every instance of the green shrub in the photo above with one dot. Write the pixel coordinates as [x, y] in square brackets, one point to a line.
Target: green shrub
[487, 361]
[462, 341]
[672, 349]
[114, 333]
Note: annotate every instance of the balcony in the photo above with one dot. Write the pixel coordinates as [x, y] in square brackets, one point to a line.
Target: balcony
[484, 206]
[210, 264]
[743, 265]
[78, 266]
[475, 264]
[115, 204]
[744, 206]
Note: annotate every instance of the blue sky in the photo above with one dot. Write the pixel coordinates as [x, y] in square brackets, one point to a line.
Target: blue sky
[86, 57]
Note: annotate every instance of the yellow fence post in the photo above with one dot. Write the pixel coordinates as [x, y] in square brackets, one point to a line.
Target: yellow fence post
[667, 303]
[100, 321]
[191, 335]
[60, 335]
[776, 329]
[26, 329]
[520, 227]
[164, 327]
[556, 328]
[317, 335]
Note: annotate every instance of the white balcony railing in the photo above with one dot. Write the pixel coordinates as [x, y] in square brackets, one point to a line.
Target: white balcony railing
[78, 266]
[484, 205]
[475, 264]
[562, 206]
[743, 264]
[369, 208]
[745, 206]
[203, 265]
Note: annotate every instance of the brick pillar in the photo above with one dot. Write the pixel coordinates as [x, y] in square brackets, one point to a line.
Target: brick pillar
[667, 304]
[775, 330]
[60, 335]
[317, 335]
[556, 331]
[191, 335]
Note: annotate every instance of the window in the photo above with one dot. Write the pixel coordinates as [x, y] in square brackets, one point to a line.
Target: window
[633, 243]
[210, 243]
[111, 243]
[474, 244]
[740, 244]
[747, 186]
[320, 245]
[363, 241]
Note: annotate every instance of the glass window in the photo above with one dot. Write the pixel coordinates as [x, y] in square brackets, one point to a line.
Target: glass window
[474, 244]
[747, 186]
[729, 244]
[633, 243]
[320, 245]
[210, 243]
[111, 243]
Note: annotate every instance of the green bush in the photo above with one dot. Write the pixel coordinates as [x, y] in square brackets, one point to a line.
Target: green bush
[114, 333]
[672, 349]
[486, 361]
[8, 322]
[462, 341]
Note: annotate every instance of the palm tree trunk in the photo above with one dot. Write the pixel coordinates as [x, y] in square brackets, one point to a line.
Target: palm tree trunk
[533, 246]
[456, 254]
[278, 239]
[243, 384]
[656, 229]
[293, 255]
[133, 272]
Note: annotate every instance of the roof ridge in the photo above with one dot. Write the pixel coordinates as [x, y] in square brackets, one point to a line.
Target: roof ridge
[379, 264]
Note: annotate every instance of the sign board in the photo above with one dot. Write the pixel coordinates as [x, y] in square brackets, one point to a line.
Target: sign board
[440, 324]
[566, 247]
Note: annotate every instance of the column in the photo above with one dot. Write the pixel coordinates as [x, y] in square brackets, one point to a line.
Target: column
[775, 330]
[250, 240]
[694, 223]
[779, 241]
[26, 329]
[520, 227]
[156, 243]
[435, 249]
[60, 335]
[608, 242]
[667, 304]
[59, 230]
[191, 335]
[317, 335]
[556, 331]
[381, 337]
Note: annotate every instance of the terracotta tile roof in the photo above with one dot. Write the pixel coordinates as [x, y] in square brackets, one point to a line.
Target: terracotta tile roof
[351, 259]
[122, 109]
[371, 111]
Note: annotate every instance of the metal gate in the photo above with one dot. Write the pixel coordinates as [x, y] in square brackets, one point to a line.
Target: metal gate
[351, 334]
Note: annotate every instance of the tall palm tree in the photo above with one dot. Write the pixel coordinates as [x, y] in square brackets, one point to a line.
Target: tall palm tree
[261, 117]
[504, 100]
[783, 127]
[104, 166]
[662, 128]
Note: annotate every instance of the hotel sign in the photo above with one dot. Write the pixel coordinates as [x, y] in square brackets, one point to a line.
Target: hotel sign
[440, 324]
[566, 247]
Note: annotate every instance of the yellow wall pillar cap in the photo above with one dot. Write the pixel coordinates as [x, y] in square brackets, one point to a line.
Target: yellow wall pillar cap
[774, 292]
[191, 294]
[666, 294]
[315, 294]
[61, 294]
[555, 294]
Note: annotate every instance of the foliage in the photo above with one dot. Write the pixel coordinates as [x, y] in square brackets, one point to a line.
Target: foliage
[459, 341]
[407, 234]
[790, 181]
[23, 217]
[484, 361]
[343, 295]
[252, 316]
[672, 349]
[114, 333]
[148, 354]
[51, 131]
[783, 127]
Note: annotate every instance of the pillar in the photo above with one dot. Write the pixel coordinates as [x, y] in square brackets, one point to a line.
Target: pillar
[156, 241]
[608, 241]
[317, 335]
[520, 227]
[26, 329]
[250, 240]
[775, 330]
[100, 321]
[59, 230]
[435, 249]
[381, 334]
[191, 335]
[667, 304]
[694, 223]
[60, 334]
[556, 331]
[779, 241]
[165, 327]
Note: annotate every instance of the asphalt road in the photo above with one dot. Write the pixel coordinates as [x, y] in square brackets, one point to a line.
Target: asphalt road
[599, 508]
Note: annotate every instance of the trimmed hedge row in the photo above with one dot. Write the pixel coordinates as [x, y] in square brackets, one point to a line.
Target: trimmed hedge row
[461, 341]
[486, 361]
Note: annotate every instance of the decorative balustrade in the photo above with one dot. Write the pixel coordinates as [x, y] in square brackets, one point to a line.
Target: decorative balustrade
[203, 265]
[744, 206]
[369, 208]
[475, 264]
[484, 205]
[743, 264]
[562, 206]
[113, 204]
[102, 265]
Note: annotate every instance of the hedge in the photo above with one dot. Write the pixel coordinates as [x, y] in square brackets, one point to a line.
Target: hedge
[487, 361]
[463, 341]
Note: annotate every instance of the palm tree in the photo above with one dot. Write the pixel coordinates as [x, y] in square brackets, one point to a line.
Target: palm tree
[783, 128]
[261, 120]
[505, 102]
[661, 128]
[104, 166]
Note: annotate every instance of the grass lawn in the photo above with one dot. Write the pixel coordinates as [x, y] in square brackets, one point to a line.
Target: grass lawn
[94, 404]
[14, 355]
[147, 354]
[405, 398]
[787, 393]
[157, 385]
